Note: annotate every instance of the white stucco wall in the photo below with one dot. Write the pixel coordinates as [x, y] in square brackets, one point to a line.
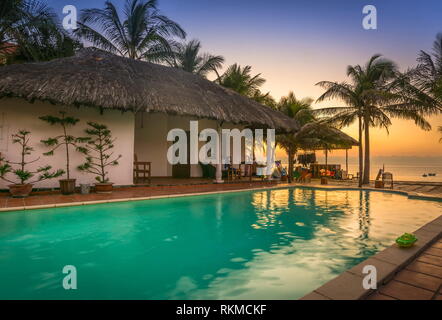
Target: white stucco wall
[151, 139]
[17, 114]
[151, 143]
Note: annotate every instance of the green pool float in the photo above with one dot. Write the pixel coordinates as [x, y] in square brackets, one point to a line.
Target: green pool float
[406, 240]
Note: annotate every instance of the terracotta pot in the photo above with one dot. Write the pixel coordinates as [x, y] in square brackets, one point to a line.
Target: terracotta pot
[103, 187]
[20, 190]
[67, 186]
[324, 180]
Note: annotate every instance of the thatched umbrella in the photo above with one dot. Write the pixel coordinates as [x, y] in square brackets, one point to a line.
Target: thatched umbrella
[99, 79]
[321, 136]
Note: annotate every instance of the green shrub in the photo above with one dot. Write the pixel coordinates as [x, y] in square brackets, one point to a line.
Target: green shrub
[19, 169]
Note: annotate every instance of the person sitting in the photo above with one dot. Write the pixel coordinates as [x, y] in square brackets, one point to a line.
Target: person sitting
[338, 175]
[279, 172]
[283, 174]
[297, 174]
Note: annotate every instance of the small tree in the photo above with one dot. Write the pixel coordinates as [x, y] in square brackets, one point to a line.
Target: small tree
[64, 139]
[23, 175]
[98, 152]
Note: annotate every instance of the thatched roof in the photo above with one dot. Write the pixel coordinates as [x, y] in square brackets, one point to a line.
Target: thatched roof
[320, 136]
[99, 79]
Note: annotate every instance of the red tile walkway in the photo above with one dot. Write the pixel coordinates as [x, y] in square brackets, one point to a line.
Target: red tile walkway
[49, 198]
[420, 280]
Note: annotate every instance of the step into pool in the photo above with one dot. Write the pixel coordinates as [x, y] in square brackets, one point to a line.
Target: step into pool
[267, 244]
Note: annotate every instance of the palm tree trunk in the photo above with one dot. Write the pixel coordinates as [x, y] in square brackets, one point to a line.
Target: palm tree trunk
[290, 173]
[360, 151]
[366, 179]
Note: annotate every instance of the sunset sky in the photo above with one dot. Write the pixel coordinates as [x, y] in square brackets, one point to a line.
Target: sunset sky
[296, 43]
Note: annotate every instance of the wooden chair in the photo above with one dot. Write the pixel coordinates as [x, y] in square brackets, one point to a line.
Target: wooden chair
[247, 170]
[387, 178]
[305, 177]
[234, 173]
[351, 176]
[142, 170]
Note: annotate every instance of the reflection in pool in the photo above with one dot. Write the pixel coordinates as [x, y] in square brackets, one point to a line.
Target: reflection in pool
[272, 244]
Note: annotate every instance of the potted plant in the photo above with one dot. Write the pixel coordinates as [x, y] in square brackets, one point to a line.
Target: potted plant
[67, 186]
[99, 155]
[23, 187]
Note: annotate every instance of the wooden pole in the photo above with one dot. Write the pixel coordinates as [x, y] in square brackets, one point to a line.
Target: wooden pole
[326, 158]
[219, 174]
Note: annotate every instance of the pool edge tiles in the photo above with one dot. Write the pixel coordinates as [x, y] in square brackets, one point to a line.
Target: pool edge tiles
[81, 203]
[388, 262]
[408, 194]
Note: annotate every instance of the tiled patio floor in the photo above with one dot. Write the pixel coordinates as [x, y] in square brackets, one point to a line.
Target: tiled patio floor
[420, 280]
[430, 189]
[171, 186]
[53, 197]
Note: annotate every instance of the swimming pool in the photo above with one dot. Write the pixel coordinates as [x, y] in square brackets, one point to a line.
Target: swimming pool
[269, 244]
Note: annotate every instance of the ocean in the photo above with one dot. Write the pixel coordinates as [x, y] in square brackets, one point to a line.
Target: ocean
[403, 168]
[404, 172]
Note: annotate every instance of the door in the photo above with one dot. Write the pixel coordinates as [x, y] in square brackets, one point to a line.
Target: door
[183, 170]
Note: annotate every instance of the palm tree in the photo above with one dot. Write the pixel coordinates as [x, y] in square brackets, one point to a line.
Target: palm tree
[187, 56]
[373, 97]
[241, 80]
[300, 110]
[9, 14]
[344, 116]
[142, 33]
[314, 134]
[33, 28]
[440, 131]
[371, 78]
[428, 74]
[264, 98]
[17, 14]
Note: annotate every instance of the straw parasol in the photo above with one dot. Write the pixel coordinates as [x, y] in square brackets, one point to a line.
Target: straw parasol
[321, 136]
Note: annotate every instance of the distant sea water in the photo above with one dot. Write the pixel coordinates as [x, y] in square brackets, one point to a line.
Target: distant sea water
[403, 172]
[403, 169]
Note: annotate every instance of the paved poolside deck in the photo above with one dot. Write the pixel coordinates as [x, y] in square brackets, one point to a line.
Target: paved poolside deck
[402, 273]
[424, 188]
[161, 187]
[40, 199]
[420, 280]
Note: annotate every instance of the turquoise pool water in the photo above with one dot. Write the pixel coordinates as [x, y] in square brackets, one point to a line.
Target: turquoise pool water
[272, 244]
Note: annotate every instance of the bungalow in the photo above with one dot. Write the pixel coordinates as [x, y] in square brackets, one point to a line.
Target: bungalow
[139, 102]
